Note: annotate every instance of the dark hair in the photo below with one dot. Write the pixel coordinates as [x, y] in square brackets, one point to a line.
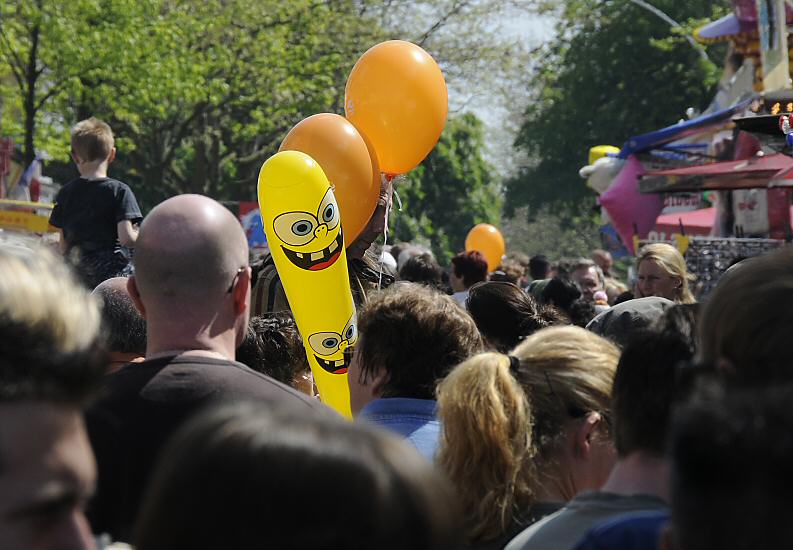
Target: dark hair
[747, 320]
[581, 312]
[645, 385]
[624, 297]
[244, 476]
[539, 267]
[123, 327]
[731, 478]
[50, 346]
[501, 276]
[470, 266]
[368, 274]
[416, 335]
[505, 314]
[682, 319]
[273, 346]
[560, 292]
[424, 269]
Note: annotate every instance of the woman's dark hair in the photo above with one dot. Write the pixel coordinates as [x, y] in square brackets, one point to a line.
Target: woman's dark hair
[244, 476]
[273, 346]
[423, 269]
[471, 266]
[505, 314]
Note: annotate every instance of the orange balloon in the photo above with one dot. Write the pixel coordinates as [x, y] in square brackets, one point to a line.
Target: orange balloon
[488, 240]
[348, 161]
[396, 96]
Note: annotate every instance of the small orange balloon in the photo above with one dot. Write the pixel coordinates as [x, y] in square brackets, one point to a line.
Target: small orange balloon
[488, 240]
[348, 161]
[396, 96]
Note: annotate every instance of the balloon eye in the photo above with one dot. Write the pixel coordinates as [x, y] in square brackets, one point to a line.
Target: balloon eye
[301, 228]
[327, 214]
[350, 333]
[330, 343]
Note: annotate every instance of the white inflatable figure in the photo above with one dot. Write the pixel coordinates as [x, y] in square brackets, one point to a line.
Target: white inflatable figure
[601, 174]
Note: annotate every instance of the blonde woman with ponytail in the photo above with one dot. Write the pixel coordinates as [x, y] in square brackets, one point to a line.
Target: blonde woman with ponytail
[523, 433]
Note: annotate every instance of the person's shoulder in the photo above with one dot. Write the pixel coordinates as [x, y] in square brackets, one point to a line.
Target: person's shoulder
[528, 537]
[239, 379]
[68, 187]
[116, 184]
[524, 538]
[268, 291]
[565, 527]
[628, 532]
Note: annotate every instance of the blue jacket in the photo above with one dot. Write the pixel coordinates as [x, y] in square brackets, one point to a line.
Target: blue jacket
[413, 419]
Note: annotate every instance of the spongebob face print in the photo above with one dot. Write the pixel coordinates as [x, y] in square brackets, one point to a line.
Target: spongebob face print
[311, 241]
[333, 350]
[304, 232]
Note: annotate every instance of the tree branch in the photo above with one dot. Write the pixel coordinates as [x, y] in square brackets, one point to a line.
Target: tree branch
[15, 62]
[456, 8]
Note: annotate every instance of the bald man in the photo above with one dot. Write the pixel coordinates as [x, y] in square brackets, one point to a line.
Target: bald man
[192, 285]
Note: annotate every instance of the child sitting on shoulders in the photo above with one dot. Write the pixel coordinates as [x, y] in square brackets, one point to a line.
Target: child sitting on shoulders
[96, 215]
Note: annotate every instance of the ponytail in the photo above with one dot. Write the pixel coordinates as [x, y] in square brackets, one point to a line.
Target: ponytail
[486, 448]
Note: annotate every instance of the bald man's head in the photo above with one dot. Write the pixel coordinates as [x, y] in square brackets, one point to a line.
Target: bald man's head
[188, 252]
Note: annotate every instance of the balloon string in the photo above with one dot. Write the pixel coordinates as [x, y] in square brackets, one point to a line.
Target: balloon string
[390, 178]
[382, 260]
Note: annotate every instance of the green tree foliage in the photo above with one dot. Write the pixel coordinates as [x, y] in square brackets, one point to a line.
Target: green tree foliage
[557, 235]
[200, 92]
[220, 85]
[450, 192]
[49, 48]
[615, 70]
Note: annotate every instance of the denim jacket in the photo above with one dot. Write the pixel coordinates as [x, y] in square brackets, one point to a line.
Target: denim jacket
[413, 419]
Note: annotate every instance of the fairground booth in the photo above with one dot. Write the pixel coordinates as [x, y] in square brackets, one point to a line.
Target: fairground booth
[717, 184]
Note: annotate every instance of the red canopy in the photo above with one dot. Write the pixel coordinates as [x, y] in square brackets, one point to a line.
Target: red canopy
[696, 222]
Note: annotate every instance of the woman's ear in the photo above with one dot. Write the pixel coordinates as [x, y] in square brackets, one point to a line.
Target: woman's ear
[585, 434]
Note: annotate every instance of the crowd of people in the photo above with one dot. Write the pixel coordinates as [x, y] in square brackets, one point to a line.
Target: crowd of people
[166, 402]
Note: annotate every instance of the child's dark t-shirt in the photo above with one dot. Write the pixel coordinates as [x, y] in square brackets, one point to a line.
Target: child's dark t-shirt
[88, 212]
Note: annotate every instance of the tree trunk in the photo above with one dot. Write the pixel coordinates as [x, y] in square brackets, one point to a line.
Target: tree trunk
[31, 77]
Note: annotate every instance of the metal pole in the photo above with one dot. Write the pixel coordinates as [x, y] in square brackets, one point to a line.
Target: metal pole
[673, 23]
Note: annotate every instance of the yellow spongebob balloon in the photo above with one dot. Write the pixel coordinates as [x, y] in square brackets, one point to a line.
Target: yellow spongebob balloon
[304, 231]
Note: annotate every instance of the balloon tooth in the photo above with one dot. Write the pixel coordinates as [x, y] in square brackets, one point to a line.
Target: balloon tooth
[340, 363]
[333, 246]
[298, 254]
[316, 256]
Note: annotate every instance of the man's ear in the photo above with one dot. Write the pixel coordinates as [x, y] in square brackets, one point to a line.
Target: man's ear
[585, 433]
[134, 293]
[112, 155]
[377, 381]
[242, 291]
